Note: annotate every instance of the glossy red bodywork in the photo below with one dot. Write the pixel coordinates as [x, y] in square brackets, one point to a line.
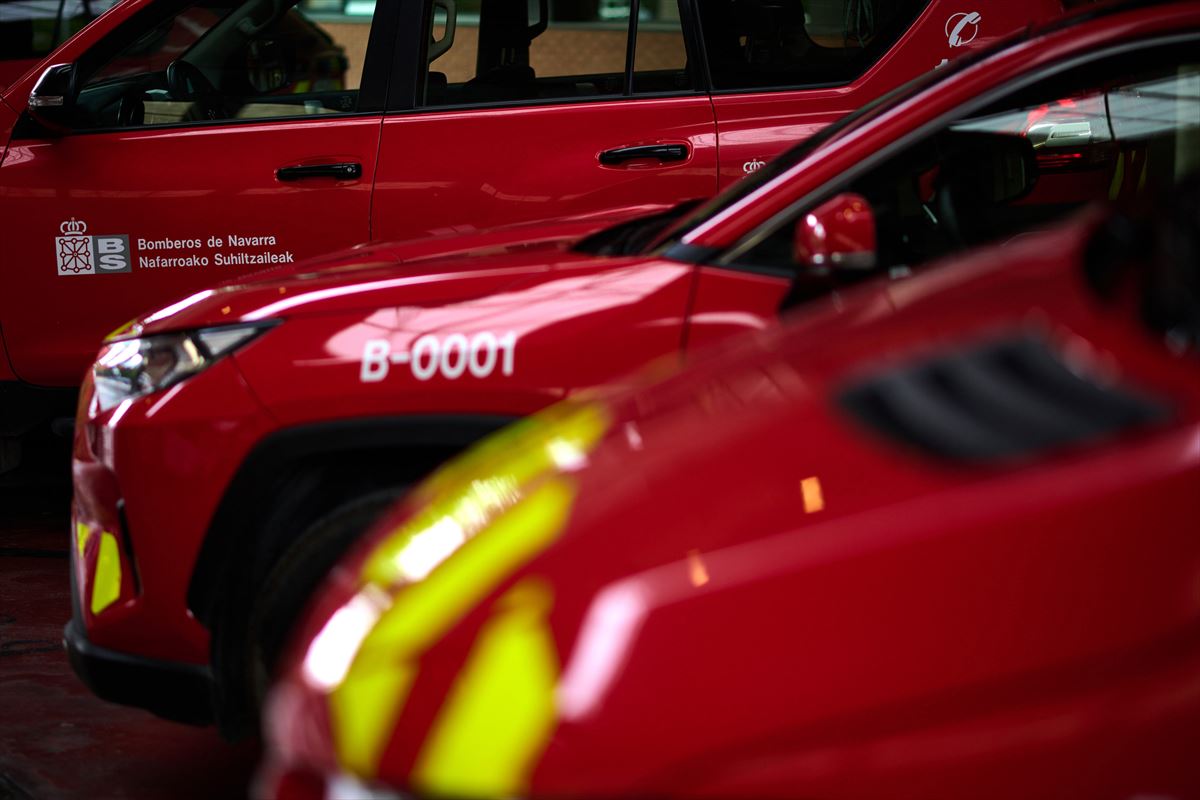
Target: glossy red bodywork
[561, 305]
[838, 230]
[579, 321]
[913, 628]
[155, 203]
[424, 173]
[551, 173]
[12, 69]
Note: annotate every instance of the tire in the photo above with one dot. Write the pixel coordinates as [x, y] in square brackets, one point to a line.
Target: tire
[247, 647]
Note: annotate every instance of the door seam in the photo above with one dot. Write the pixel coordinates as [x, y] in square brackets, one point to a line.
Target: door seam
[716, 144]
[374, 177]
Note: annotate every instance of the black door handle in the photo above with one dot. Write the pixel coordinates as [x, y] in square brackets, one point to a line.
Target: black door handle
[663, 152]
[345, 172]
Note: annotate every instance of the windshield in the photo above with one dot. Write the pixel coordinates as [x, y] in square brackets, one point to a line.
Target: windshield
[633, 236]
[31, 29]
[1119, 127]
[801, 150]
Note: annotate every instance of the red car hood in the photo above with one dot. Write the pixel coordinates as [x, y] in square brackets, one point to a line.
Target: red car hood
[726, 585]
[452, 266]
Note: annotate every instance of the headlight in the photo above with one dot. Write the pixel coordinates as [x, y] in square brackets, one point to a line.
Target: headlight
[130, 368]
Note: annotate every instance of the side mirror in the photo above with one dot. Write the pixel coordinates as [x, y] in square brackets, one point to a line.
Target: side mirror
[838, 234]
[53, 97]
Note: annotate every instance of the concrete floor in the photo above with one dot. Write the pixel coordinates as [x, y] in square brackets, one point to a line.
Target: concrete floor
[56, 739]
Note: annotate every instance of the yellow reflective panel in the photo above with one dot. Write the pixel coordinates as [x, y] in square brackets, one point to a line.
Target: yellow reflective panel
[1114, 190]
[484, 457]
[420, 544]
[478, 486]
[501, 712]
[363, 713]
[106, 583]
[425, 611]
[121, 331]
[82, 533]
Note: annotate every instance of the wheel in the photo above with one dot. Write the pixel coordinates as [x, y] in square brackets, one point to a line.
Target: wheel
[248, 641]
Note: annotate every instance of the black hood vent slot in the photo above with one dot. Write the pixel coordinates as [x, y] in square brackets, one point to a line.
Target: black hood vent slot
[1002, 400]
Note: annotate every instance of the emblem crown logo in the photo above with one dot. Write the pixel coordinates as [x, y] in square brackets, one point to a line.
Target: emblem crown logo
[77, 252]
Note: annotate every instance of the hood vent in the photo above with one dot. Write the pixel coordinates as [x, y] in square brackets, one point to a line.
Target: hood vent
[999, 401]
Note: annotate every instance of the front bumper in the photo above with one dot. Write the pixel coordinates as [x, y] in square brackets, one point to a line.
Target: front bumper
[180, 692]
[146, 481]
[144, 492]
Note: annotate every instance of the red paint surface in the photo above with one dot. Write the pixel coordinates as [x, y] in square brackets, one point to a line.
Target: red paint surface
[423, 173]
[932, 629]
[582, 321]
[579, 321]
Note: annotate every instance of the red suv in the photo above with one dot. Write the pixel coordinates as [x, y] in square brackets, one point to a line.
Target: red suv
[175, 144]
[936, 541]
[229, 445]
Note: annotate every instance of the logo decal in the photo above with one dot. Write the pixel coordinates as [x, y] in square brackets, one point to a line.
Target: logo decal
[74, 249]
[77, 253]
[753, 165]
[962, 28]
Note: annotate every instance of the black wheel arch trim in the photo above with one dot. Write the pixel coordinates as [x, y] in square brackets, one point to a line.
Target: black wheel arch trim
[251, 486]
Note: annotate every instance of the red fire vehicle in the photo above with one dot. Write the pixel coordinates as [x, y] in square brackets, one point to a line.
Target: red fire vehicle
[935, 541]
[175, 144]
[228, 446]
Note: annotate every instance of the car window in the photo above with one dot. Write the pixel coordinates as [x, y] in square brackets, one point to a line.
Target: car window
[223, 60]
[660, 57]
[525, 51]
[805, 147]
[761, 44]
[31, 29]
[1118, 130]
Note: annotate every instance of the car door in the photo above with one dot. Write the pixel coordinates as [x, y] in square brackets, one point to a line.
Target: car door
[782, 71]
[519, 114]
[209, 139]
